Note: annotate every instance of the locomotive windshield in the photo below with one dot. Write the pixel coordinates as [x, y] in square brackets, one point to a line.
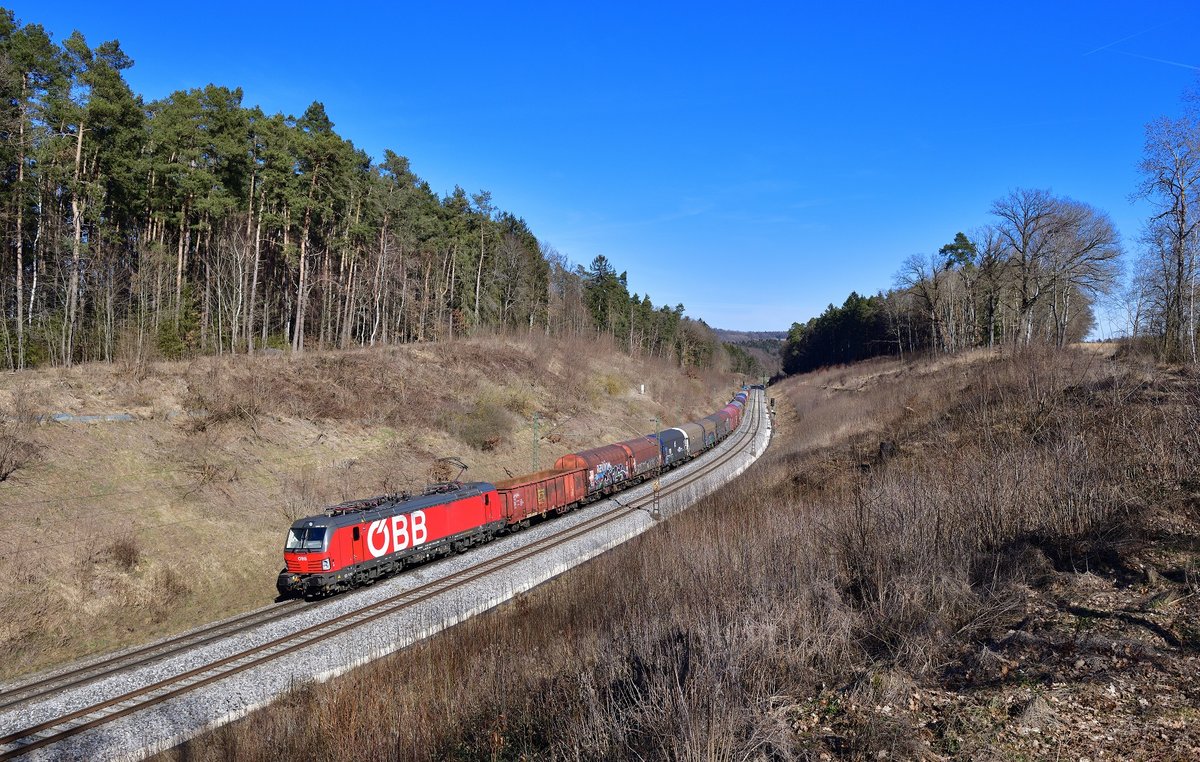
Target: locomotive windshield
[306, 538]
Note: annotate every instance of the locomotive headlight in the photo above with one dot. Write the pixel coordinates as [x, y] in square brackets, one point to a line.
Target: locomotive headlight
[325, 564]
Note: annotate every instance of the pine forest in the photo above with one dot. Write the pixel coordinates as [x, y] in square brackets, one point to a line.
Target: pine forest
[198, 224]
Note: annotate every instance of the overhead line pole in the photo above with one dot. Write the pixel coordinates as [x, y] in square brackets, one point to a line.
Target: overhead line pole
[535, 442]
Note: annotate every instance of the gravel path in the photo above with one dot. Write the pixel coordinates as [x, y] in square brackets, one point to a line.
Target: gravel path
[161, 727]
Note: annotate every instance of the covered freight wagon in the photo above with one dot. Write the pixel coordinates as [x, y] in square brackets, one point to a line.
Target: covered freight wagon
[644, 455]
[730, 416]
[695, 437]
[720, 424]
[674, 446]
[605, 466]
[710, 430]
[724, 416]
[735, 415]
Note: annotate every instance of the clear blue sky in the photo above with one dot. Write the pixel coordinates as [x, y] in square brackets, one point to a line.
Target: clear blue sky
[754, 164]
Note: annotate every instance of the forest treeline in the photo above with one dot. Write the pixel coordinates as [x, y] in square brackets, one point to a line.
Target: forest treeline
[197, 224]
[1035, 274]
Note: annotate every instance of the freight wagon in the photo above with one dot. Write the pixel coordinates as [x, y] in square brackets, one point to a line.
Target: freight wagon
[525, 497]
[644, 456]
[606, 467]
[672, 445]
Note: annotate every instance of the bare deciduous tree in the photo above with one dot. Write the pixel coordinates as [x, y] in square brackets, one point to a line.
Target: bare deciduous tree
[1171, 181]
[1027, 228]
[1082, 260]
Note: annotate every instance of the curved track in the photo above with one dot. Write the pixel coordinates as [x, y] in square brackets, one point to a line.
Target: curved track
[40, 735]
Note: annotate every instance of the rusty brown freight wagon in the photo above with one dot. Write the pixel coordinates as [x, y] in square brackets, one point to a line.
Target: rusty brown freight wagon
[644, 453]
[524, 497]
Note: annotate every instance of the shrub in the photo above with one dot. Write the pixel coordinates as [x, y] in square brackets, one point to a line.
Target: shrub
[221, 397]
[613, 385]
[17, 446]
[520, 402]
[178, 338]
[124, 552]
[484, 426]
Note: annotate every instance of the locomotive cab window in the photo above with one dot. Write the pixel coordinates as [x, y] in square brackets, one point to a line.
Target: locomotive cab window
[306, 538]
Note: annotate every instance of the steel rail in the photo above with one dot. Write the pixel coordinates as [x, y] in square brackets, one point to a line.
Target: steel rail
[24, 693]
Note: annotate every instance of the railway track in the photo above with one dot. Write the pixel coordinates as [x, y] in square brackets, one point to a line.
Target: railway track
[40, 735]
[24, 693]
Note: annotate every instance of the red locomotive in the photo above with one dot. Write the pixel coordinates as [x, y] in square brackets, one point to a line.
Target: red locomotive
[358, 542]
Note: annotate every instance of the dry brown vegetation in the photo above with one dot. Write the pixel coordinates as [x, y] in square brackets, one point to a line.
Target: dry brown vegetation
[124, 531]
[986, 557]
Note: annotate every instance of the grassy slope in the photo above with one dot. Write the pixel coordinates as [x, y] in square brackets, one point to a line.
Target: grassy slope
[1012, 575]
[125, 531]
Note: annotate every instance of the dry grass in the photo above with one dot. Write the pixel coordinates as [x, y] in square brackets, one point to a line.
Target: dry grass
[807, 609]
[113, 524]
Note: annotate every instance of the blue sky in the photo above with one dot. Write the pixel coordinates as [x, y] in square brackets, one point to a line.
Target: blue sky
[753, 163]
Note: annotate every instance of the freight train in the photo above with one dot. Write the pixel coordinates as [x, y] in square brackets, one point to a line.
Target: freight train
[358, 542]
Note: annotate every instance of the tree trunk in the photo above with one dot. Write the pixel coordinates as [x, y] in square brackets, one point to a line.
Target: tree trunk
[378, 285]
[77, 208]
[479, 276]
[301, 296]
[401, 311]
[253, 285]
[425, 300]
[204, 317]
[302, 288]
[347, 328]
[21, 228]
[450, 291]
[180, 259]
[37, 242]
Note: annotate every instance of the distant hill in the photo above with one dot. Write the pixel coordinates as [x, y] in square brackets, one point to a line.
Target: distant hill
[746, 337]
[764, 346]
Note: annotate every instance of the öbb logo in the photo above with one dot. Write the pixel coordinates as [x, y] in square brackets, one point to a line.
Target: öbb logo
[394, 534]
